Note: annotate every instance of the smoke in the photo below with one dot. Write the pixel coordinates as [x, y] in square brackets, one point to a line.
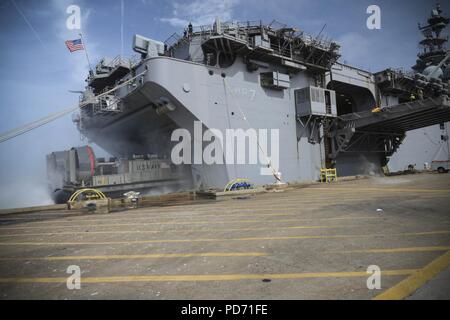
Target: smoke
[20, 194]
[393, 180]
[157, 191]
[183, 185]
[369, 167]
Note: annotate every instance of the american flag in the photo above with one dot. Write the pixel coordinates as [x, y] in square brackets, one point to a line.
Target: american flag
[74, 45]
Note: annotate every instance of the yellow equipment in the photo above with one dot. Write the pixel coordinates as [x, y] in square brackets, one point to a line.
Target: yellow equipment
[328, 175]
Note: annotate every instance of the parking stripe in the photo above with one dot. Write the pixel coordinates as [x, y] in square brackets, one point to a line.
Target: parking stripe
[108, 219]
[169, 231]
[345, 236]
[396, 250]
[385, 190]
[182, 223]
[408, 286]
[202, 277]
[139, 256]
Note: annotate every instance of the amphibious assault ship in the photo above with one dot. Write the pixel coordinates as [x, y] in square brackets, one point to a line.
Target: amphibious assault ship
[251, 75]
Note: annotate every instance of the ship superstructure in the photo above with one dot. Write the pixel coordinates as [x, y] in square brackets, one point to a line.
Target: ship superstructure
[433, 46]
[259, 76]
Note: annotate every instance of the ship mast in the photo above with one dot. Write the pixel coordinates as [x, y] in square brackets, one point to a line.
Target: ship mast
[433, 46]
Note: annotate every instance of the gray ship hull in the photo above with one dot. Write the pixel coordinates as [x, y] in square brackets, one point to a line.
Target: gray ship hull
[210, 101]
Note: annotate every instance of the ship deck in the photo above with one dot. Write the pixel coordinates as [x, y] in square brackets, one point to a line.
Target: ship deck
[304, 243]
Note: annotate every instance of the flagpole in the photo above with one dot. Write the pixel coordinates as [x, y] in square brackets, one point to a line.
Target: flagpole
[85, 51]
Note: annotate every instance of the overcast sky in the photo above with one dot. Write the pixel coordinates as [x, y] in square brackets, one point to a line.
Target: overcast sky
[38, 70]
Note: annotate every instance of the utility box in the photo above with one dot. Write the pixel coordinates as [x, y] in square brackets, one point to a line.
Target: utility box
[275, 80]
[314, 101]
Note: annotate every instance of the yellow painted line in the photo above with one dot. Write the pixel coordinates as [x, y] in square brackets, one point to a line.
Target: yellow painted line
[320, 203]
[152, 214]
[396, 250]
[237, 211]
[346, 194]
[168, 231]
[140, 256]
[138, 216]
[335, 197]
[212, 277]
[144, 224]
[386, 190]
[222, 240]
[408, 286]
[182, 223]
[108, 219]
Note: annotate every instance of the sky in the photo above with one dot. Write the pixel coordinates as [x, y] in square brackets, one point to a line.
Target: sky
[38, 71]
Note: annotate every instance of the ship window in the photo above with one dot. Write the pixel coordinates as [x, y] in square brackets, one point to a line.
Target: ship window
[442, 126]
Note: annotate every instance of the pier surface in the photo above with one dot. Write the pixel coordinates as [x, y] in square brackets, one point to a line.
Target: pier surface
[315, 242]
